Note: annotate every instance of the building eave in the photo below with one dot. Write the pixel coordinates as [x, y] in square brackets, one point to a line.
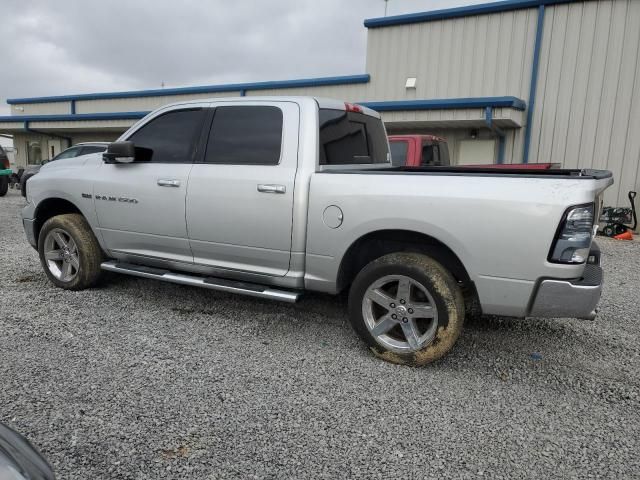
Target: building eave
[459, 12]
[447, 104]
[234, 87]
[73, 117]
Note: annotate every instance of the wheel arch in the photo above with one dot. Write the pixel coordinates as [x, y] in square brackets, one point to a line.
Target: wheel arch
[51, 207]
[375, 244]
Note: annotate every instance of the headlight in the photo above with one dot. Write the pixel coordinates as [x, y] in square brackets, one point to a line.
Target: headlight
[575, 232]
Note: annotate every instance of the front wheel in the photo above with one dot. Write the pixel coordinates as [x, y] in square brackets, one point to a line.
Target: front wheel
[407, 307]
[69, 252]
[4, 185]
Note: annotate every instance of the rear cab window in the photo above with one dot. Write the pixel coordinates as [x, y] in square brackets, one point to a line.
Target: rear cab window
[351, 138]
[399, 149]
[435, 153]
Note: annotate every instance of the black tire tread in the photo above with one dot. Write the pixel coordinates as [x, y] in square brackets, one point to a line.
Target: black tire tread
[89, 250]
[4, 185]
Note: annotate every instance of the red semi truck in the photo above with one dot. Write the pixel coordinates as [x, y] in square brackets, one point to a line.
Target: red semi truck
[431, 150]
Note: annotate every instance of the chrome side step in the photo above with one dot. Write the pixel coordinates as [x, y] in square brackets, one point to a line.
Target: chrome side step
[213, 283]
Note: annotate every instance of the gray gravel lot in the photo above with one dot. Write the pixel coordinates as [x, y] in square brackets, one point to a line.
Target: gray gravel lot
[140, 379]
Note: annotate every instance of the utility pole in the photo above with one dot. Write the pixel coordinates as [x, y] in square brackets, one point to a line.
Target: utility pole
[386, 3]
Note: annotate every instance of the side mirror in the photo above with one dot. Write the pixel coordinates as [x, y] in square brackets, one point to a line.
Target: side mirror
[120, 152]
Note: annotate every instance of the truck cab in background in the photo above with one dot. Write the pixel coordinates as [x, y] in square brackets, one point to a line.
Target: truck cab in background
[433, 151]
[419, 150]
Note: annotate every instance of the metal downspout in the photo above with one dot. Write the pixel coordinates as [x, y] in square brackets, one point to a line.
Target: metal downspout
[533, 85]
[488, 118]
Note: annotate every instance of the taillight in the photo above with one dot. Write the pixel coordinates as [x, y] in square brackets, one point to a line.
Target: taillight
[352, 107]
[574, 236]
[5, 164]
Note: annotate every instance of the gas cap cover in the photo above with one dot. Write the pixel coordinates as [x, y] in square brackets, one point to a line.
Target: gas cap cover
[332, 216]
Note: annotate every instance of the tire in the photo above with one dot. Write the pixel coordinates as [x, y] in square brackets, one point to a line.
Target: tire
[23, 184]
[69, 252]
[619, 228]
[4, 185]
[411, 338]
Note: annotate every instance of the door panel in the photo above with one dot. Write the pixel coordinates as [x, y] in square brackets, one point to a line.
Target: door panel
[141, 205]
[138, 216]
[240, 216]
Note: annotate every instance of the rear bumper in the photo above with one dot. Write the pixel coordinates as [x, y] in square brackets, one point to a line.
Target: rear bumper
[571, 298]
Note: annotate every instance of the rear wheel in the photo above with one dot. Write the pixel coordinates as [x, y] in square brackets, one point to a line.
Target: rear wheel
[69, 252]
[4, 185]
[407, 307]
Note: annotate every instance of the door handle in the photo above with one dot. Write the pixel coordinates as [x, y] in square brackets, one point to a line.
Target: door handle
[272, 188]
[168, 183]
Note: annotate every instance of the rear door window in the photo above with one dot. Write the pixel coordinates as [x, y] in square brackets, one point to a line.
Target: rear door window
[399, 150]
[245, 135]
[351, 138]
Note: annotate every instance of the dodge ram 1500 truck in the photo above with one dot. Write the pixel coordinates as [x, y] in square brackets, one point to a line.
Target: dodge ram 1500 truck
[273, 196]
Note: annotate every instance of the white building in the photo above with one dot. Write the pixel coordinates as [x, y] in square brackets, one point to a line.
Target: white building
[519, 80]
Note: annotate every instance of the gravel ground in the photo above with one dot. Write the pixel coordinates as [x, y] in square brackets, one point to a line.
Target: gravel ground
[141, 379]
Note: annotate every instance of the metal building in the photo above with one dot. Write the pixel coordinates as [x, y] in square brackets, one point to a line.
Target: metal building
[512, 81]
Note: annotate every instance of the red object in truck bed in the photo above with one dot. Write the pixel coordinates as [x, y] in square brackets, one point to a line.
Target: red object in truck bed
[516, 166]
[414, 148]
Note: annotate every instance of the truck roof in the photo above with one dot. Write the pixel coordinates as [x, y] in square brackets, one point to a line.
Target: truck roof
[322, 102]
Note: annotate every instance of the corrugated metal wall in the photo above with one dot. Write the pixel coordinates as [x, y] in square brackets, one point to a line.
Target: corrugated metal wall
[476, 56]
[53, 108]
[486, 55]
[588, 109]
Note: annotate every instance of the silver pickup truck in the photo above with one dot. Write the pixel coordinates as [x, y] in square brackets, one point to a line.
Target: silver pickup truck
[274, 196]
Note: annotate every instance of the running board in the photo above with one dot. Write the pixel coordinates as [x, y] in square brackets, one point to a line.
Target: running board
[213, 283]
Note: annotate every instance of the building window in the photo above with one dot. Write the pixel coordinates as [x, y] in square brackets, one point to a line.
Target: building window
[34, 153]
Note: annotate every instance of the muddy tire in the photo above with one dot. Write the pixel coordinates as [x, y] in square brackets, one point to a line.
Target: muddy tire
[4, 185]
[407, 307]
[69, 252]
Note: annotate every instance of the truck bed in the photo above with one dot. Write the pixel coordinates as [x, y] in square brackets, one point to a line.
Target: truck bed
[480, 171]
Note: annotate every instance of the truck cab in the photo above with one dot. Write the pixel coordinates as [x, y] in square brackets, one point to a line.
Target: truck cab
[419, 150]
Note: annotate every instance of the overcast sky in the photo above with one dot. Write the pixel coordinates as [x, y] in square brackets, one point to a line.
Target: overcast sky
[81, 46]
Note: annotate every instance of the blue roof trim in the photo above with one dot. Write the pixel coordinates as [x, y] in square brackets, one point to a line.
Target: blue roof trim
[483, 8]
[302, 82]
[74, 117]
[447, 104]
[389, 106]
